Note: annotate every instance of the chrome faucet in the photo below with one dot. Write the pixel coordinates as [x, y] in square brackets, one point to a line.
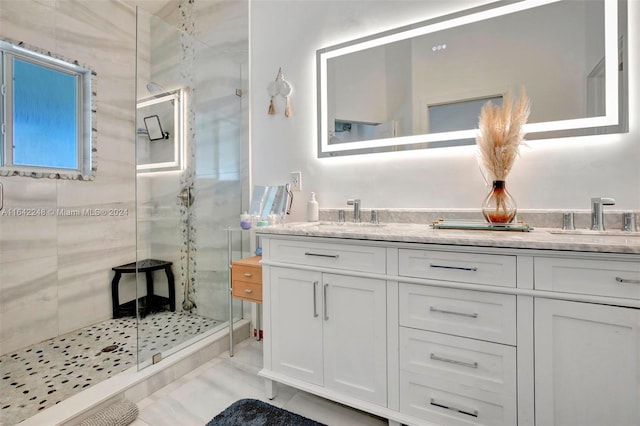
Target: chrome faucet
[597, 213]
[356, 209]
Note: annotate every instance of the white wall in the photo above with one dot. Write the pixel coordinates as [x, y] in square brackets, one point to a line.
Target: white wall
[551, 174]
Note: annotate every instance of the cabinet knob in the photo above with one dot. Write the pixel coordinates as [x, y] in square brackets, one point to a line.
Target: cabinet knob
[248, 291]
[248, 275]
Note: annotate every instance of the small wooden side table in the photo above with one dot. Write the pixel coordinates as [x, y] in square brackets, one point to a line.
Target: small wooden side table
[246, 279]
[246, 284]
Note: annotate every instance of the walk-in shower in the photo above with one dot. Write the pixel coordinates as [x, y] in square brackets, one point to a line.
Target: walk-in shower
[196, 131]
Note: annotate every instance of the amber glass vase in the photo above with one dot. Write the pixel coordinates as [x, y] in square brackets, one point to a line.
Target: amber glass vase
[499, 207]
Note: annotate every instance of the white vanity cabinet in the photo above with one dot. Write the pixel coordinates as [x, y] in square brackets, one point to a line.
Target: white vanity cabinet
[431, 334]
[587, 364]
[329, 329]
[457, 346]
[587, 355]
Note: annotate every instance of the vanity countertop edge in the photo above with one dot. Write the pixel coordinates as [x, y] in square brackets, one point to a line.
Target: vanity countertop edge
[538, 238]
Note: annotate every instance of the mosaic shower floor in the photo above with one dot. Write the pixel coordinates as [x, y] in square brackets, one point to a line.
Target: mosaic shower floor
[41, 375]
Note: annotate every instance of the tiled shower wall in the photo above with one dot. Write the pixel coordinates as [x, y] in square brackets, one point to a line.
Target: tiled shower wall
[55, 271]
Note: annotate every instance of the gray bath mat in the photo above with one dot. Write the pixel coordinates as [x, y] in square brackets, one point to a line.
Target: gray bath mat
[122, 413]
[252, 412]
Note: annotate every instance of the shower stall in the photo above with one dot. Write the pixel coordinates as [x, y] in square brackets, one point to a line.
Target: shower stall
[62, 332]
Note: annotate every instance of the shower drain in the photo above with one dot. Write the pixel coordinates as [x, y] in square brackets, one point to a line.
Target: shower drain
[109, 348]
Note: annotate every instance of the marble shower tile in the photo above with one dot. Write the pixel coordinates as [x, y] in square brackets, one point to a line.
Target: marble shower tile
[84, 300]
[104, 192]
[222, 23]
[28, 304]
[28, 282]
[165, 54]
[143, 53]
[24, 237]
[83, 29]
[88, 243]
[16, 22]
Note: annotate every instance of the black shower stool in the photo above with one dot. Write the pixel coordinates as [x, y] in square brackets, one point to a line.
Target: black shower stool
[147, 266]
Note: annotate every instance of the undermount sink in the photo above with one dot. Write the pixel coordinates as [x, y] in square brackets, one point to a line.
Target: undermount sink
[595, 233]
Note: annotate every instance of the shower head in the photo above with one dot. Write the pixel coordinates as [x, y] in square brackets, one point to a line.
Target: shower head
[155, 89]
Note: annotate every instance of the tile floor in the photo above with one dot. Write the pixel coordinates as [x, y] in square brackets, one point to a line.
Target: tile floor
[198, 396]
[42, 375]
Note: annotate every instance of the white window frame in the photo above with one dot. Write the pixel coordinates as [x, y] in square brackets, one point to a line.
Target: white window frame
[84, 115]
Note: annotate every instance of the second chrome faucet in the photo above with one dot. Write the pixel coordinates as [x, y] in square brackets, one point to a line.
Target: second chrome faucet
[597, 213]
[355, 202]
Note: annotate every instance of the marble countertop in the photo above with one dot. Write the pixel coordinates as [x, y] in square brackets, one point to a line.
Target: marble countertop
[538, 238]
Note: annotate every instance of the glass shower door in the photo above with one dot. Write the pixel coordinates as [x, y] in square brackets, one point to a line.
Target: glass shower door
[189, 183]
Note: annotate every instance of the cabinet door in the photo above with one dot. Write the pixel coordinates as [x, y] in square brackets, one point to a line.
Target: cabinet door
[296, 324]
[355, 339]
[587, 364]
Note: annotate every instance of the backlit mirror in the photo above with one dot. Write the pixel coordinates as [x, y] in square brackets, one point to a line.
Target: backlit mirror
[160, 132]
[422, 86]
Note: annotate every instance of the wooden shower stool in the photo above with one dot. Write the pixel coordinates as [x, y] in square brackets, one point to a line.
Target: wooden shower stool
[147, 266]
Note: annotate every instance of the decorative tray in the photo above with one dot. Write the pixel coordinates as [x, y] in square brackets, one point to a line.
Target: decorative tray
[478, 225]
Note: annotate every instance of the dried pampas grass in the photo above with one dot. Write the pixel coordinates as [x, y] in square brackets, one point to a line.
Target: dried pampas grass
[501, 135]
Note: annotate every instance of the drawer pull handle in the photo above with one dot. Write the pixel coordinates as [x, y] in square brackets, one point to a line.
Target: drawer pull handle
[333, 256]
[462, 314]
[453, 361]
[315, 304]
[246, 290]
[452, 407]
[326, 315]
[627, 281]
[459, 268]
[248, 275]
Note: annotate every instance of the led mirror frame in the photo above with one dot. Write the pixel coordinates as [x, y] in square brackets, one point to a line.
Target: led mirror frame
[179, 114]
[609, 123]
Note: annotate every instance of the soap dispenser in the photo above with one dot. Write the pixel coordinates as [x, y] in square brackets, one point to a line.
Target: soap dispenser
[312, 209]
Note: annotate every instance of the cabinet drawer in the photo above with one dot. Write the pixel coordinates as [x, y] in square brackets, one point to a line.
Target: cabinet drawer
[249, 274]
[490, 368]
[474, 268]
[248, 291]
[476, 314]
[339, 256]
[588, 276]
[426, 398]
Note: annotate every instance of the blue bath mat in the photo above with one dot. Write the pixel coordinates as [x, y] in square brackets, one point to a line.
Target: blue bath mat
[251, 412]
